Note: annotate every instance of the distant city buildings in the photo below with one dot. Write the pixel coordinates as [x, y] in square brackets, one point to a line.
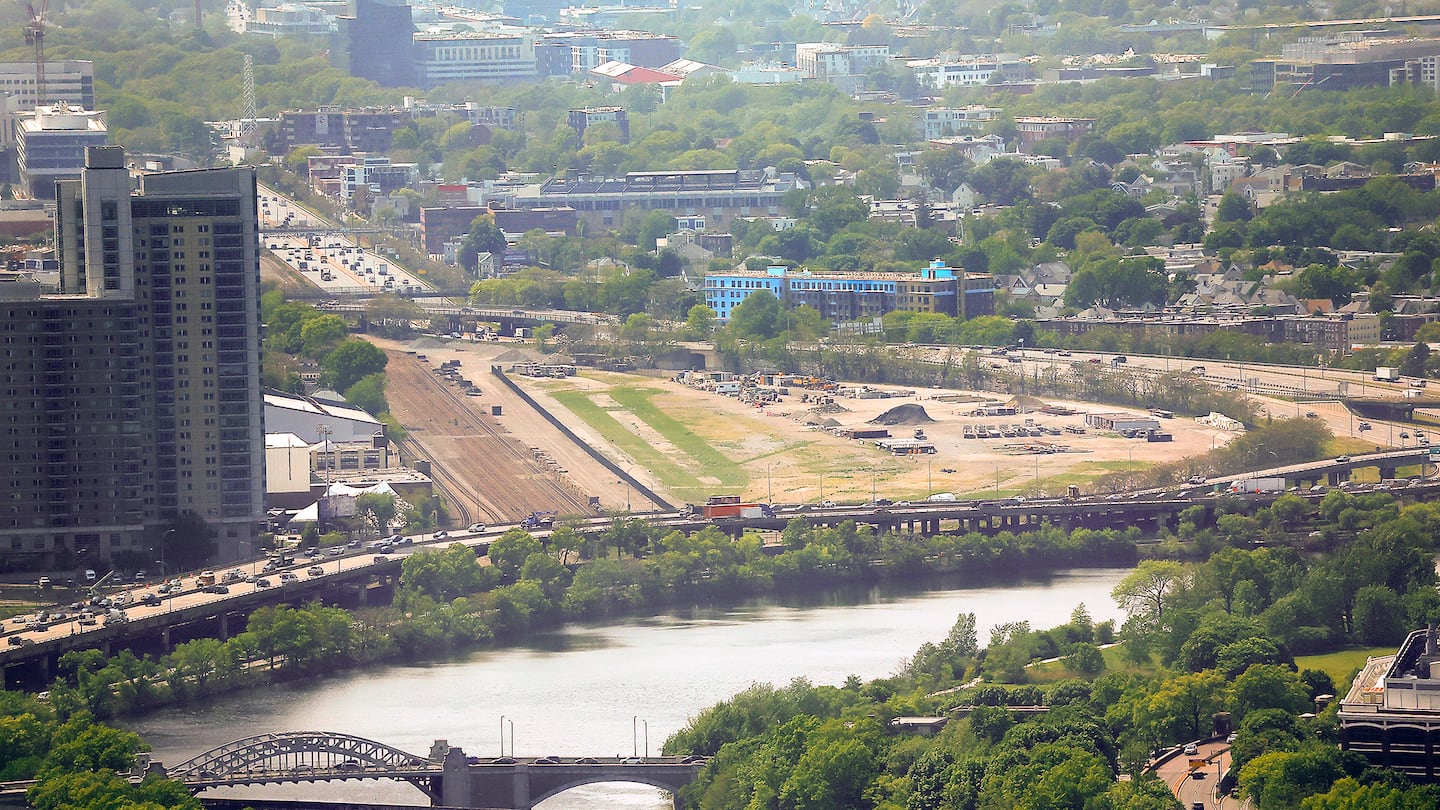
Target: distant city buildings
[374, 40]
[287, 20]
[971, 71]
[134, 393]
[844, 297]
[581, 120]
[1031, 129]
[484, 56]
[937, 122]
[718, 195]
[1347, 60]
[841, 65]
[67, 81]
[368, 129]
[50, 145]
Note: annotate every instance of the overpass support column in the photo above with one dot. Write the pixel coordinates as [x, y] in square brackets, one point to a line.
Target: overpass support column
[520, 789]
[1335, 478]
[165, 638]
[363, 598]
[1387, 473]
[224, 626]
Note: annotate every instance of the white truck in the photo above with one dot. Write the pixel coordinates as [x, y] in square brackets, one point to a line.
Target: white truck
[1387, 374]
[1256, 485]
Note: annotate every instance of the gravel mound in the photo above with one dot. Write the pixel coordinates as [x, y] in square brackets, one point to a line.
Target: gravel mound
[909, 414]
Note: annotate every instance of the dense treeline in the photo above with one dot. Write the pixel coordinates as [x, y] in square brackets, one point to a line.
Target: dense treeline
[447, 602]
[76, 761]
[300, 337]
[1201, 639]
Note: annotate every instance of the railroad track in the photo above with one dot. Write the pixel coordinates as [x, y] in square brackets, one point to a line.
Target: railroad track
[446, 485]
[484, 471]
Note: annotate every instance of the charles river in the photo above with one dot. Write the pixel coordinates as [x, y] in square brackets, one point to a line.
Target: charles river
[600, 690]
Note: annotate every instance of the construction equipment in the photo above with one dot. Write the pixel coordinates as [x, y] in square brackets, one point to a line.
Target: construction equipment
[35, 37]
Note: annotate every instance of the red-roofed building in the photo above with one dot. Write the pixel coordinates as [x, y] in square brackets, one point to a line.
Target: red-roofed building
[625, 74]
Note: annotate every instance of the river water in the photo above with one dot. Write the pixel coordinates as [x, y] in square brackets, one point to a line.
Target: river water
[602, 690]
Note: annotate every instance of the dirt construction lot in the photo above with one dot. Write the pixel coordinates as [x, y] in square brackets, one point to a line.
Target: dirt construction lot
[688, 443]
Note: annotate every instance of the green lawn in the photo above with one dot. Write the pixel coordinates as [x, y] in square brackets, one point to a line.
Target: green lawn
[712, 461]
[679, 472]
[1341, 666]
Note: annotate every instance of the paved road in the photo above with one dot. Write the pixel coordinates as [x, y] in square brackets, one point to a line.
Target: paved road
[1197, 786]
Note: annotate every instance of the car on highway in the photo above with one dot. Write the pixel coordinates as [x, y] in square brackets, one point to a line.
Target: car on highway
[288, 576]
[827, 504]
[335, 551]
[587, 761]
[88, 620]
[150, 599]
[262, 582]
[217, 588]
[1341, 459]
[19, 641]
[440, 535]
[1192, 749]
[633, 761]
[476, 527]
[314, 571]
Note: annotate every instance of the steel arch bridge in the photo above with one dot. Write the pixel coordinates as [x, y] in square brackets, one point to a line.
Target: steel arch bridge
[296, 751]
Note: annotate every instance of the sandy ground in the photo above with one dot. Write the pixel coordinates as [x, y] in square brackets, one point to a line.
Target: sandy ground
[786, 461]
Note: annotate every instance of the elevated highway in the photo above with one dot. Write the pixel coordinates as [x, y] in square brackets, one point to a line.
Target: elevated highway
[32, 659]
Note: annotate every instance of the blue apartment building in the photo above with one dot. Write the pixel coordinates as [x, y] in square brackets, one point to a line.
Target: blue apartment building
[843, 297]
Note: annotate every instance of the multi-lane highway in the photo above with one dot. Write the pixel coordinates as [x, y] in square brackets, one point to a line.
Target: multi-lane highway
[333, 262]
[309, 576]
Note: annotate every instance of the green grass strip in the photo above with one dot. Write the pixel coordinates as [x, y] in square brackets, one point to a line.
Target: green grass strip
[712, 461]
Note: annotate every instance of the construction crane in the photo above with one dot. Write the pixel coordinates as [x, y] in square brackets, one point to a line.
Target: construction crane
[35, 36]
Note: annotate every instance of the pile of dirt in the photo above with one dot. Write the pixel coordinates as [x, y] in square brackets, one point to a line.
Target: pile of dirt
[513, 356]
[819, 415]
[1026, 404]
[909, 414]
[420, 344]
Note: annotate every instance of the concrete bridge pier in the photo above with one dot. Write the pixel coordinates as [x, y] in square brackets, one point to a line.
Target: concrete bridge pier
[1387, 473]
[224, 627]
[165, 638]
[1337, 477]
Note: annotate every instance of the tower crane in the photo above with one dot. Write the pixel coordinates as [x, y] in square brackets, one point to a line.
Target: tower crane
[35, 36]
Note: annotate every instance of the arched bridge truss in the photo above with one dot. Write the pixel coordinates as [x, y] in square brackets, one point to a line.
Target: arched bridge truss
[303, 756]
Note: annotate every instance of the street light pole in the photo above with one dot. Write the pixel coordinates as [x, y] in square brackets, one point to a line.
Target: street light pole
[502, 735]
[634, 735]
